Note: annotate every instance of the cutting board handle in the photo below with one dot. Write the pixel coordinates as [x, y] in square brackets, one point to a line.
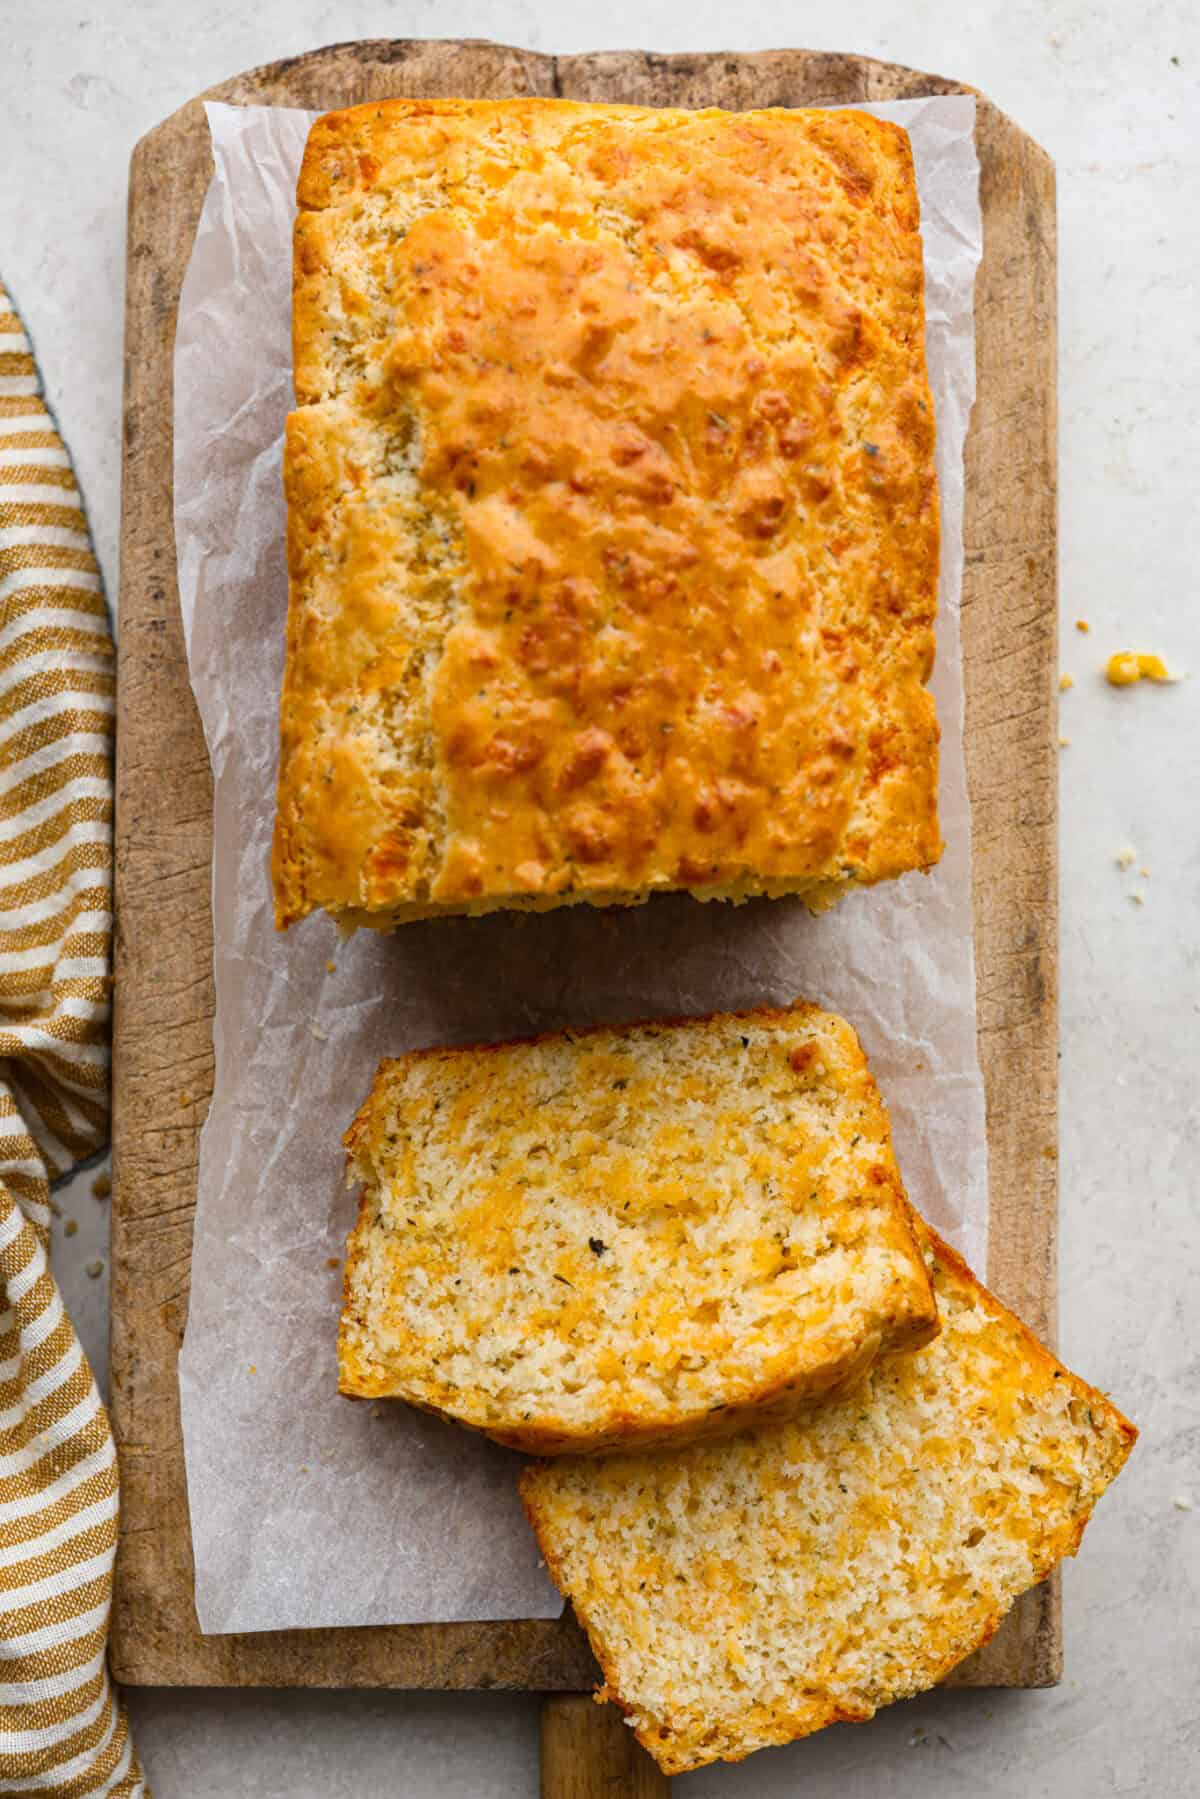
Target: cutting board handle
[589, 1752]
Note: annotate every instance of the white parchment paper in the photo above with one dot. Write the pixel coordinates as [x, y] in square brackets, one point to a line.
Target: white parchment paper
[308, 1510]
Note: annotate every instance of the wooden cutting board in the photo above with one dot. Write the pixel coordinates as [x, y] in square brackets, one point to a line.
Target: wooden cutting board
[164, 994]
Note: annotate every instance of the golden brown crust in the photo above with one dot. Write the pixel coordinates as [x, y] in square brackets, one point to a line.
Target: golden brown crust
[613, 534]
[769, 1404]
[368, 1116]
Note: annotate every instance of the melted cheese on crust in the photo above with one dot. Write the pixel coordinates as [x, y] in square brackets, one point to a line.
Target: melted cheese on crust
[613, 529]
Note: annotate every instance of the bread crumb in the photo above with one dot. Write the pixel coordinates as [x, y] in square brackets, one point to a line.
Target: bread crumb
[94, 1270]
[102, 1186]
[1081, 624]
[185, 1099]
[334, 1262]
[254, 1367]
[1128, 667]
[1182, 1503]
[1050, 1153]
[1126, 857]
[1064, 743]
[377, 1411]
[1065, 682]
[843, 1555]
[320, 1035]
[70, 1227]
[1145, 873]
[331, 966]
[432, 1279]
[1138, 898]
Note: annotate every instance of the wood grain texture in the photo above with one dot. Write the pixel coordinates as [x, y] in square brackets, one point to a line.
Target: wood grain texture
[589, 1752]
[164, 995]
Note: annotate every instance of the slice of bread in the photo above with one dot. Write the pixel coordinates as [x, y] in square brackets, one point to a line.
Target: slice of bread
[744, 1593]
[604, 1238]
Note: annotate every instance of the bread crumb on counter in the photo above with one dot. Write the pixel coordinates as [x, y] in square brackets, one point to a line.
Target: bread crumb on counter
[1065, 682]
[1081, 624]
[70, 1227]
[1127, 667]
[1125, 858]
[102, 1186]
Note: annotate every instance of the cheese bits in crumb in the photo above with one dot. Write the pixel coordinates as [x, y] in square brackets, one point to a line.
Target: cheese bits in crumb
[747, 1592]
[601, 1238]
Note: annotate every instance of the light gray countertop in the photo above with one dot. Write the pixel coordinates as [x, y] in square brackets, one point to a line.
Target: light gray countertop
[1114, 94]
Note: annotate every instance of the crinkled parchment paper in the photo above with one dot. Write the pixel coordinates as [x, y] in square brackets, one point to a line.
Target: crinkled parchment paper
[307, 1509]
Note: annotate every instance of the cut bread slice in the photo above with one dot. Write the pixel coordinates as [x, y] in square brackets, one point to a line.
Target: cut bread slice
[602, 1238]
[748, 1592]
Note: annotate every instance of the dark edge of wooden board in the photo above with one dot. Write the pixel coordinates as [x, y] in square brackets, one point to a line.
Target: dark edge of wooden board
[164, 994]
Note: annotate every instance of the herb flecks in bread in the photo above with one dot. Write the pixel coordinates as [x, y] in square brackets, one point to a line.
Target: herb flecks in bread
[747, 1592]
[641, 1234]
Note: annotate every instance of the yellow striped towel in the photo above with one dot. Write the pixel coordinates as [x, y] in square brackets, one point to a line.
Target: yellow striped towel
[62, 1730]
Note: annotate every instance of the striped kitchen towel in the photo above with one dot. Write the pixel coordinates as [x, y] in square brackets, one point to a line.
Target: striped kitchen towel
[62, 1729]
